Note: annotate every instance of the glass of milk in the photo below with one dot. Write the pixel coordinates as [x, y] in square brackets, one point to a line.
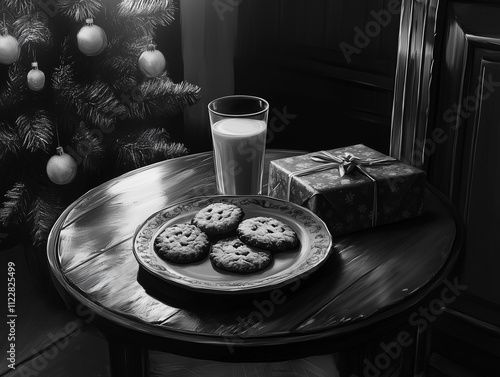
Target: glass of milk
[239, 125]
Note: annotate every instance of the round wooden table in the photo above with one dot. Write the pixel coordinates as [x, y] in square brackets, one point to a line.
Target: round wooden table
[372, 302]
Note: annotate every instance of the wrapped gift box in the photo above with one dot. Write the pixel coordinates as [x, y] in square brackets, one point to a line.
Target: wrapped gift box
[374, 192]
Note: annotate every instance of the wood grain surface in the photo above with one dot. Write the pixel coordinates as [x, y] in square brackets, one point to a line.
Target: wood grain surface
[370, 276]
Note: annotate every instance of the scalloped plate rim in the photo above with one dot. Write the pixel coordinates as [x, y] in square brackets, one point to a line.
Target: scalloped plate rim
[325, 245]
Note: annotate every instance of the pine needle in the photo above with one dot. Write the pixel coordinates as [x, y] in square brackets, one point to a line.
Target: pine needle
[80, 10]
[16, 90]
[45, 209]
[120, 65]
[99, 96]
[154, 12]
[94, 102]
[9, 141]
[15, 203]
[146, 147]
[33, 29]
[161, 96]
[176, 150]
[19, 7]
[36, 130]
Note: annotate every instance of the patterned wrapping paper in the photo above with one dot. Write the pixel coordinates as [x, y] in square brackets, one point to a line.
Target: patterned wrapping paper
[346, 203]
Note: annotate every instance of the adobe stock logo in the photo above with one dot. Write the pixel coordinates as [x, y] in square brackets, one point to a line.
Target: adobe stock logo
[372, 29]
[60, 340]
[224, 6]
[420, 319]
[263, 310]
[48, 8]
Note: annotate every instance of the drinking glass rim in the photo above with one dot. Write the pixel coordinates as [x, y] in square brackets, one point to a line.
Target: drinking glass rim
[266, 108]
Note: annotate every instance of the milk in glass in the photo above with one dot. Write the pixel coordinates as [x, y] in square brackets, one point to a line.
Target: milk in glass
[239, 145]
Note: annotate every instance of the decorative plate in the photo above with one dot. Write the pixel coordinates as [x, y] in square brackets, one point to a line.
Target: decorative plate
[313, 250]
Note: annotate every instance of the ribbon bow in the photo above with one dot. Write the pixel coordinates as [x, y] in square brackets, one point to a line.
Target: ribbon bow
[348, 162]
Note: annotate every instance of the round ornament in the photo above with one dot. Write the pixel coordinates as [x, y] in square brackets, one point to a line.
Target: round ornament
[36, 78]
[152, 62]
[9, 48]
[91, 39]
[61, 168]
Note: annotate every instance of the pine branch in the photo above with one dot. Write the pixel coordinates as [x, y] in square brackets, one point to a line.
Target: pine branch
[20, 7]
[99, 98]
[120, 65]
[46, 208]
[117, 64]
[161, 145]
[33, 29]
[88, 145]
[15, 205]
[93, 98]
[176, 150]
[16, 90]
[132, 154]
[154, 12]
[80, 10]
[140, 18]
[9, 142]
[62, 75]
[94, 102]
[36, 131]
[122, 73]
[150, 146]
[161, 96]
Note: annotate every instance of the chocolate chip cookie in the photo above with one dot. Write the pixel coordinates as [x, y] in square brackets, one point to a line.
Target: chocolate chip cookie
[182, 243]
[232, 255]
[267, 233]
[218, 218]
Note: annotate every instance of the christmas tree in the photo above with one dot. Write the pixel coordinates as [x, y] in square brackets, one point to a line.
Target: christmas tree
[84, 96]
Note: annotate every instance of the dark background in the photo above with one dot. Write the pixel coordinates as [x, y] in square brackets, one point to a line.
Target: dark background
[289, 52]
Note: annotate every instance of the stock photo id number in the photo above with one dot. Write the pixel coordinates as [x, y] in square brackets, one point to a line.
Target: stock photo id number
[11, 315]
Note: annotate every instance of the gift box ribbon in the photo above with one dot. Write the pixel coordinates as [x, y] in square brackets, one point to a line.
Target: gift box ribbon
[345, 164]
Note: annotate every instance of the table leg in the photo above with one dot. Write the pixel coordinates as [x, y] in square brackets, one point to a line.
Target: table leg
[128, 360]
[422, 351]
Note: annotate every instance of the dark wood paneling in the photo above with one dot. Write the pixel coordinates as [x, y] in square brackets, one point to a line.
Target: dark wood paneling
[291, 53]
[463, 161]
[472, 351]
[444, 367]
[446, 119]
[481, 205]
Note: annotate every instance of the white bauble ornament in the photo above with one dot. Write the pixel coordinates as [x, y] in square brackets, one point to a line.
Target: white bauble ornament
[152, 62]
[91, 39]
[61, 168]
[36, 78]
[9, 48]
